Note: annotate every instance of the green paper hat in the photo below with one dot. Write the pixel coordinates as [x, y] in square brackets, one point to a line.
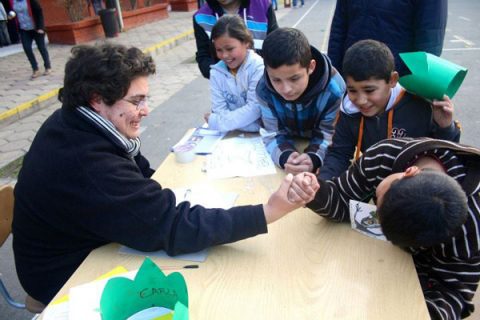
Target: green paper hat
[122, 297]
[432, 77]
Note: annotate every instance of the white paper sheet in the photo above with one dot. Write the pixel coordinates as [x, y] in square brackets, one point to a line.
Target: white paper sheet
[85, 299]
[205, 196]
[240, 157]
[203, 140]
[58, 311]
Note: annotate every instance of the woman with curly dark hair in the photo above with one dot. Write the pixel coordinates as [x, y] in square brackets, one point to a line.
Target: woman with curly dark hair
[84, 182]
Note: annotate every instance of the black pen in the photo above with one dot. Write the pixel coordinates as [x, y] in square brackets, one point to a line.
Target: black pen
[188, 266]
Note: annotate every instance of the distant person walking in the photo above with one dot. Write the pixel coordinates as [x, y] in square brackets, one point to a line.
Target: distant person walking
[403, 25]
[31, 24]
[4, 37]
[258, 15]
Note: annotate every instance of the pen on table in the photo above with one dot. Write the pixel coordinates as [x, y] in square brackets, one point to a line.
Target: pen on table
[188, 266]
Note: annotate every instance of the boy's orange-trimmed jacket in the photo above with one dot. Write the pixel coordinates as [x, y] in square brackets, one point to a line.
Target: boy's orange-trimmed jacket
[411, 116]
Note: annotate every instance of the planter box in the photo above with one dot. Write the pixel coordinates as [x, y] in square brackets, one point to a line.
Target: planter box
[91, 28]
[75, 32]
[184, 5]
[138, 17]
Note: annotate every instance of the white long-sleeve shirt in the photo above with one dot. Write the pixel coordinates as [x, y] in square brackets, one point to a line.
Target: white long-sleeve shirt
[234, 100]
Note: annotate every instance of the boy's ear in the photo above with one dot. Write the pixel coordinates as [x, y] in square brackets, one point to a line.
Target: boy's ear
[411, 171]
[393, 79]
[311, 66]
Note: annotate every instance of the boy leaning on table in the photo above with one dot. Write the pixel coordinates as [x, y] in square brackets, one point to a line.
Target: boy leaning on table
[299, 96]
[84, 182]
[428, 202]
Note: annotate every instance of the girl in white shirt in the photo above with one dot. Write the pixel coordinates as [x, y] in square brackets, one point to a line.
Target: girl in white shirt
[234, 78]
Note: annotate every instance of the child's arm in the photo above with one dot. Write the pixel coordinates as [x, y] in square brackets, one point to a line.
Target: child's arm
[279, 143]
[244, 117]
[442, 111]
[450, 288]
[340, 152]
[324, 127]
[357, 183]
[272, 19]
[203, 55]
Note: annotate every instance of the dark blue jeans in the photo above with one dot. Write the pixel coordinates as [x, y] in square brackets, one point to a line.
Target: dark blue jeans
[4, 37]
[27, 37]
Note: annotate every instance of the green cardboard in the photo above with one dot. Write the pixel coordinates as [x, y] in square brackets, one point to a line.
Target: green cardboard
[122, 297]
[432, 77]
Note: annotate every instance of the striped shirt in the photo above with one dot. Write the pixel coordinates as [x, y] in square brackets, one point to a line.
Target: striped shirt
[448, 272]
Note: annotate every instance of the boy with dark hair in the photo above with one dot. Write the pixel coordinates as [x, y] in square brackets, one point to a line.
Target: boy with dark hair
[376, 107]
[421, 211]
[428, 202]
[299, 96]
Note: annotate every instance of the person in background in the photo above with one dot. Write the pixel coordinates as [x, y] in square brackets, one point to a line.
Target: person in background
[234, 78]
[299, 95]
[84, 182]
[428, 203]
[403, 25]
[258, 15]
[376, 107]
[4, 37]
[31, 24]
[302, 3]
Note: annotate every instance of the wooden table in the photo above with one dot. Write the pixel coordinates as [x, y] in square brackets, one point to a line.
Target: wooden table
[304, 268]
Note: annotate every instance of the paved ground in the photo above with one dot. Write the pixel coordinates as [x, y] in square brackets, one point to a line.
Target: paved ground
[17, 91]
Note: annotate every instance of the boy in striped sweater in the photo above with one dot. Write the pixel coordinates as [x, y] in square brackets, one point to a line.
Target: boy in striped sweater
[428, 202]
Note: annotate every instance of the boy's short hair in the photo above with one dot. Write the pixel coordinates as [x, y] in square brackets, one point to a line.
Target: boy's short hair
[286, 46]
[423, 210]
[367, 59]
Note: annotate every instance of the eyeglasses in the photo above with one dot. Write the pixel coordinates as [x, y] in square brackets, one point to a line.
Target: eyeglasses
[139, 104]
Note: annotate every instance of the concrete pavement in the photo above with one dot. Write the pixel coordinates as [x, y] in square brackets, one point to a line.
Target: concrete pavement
[25, 103]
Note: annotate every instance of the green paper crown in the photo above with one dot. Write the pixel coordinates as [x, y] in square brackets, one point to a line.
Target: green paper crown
[432, 77]
[123, 297]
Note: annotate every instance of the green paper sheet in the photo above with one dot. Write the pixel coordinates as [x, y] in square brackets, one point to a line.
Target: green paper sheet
[123, 297]
[432, 77]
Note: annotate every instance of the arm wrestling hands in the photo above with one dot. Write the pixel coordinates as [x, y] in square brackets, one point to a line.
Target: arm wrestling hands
[293, 193]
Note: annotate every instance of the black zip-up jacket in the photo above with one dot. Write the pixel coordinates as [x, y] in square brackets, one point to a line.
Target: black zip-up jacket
[403, 25]
[78, 191]
[412, 117]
